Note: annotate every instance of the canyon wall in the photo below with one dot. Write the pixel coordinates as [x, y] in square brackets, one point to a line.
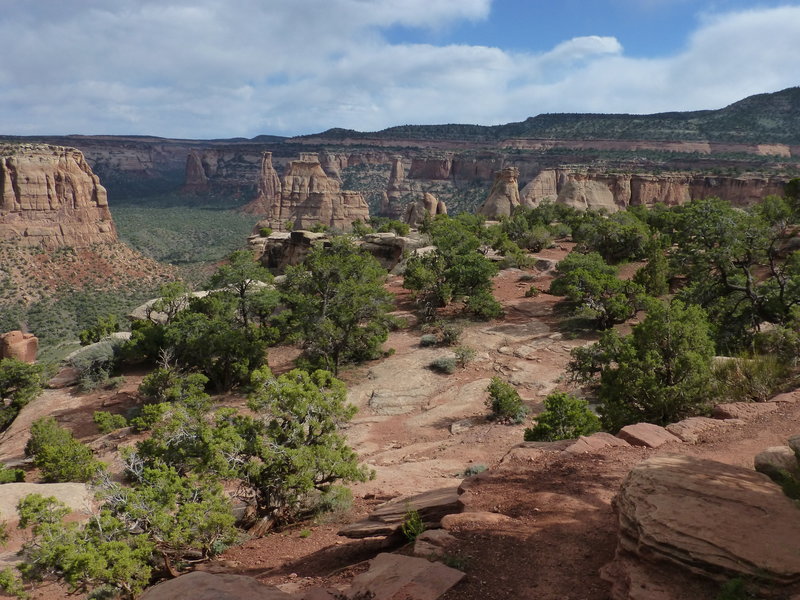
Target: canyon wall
[50, 198]
[616, 191]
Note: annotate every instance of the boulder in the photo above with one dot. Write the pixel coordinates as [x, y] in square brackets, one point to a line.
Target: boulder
[743, 410]
[19, 345]
[200, 585]
[647, 435]
[689, 430]
[397, 577]
[388, 517]
[794, 444]
[715, 520]
[594, 442]
[776, 460]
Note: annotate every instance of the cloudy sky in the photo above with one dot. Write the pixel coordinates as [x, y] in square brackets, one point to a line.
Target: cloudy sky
[225, 68]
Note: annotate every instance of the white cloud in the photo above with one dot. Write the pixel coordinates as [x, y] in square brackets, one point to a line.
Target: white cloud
[203, 68]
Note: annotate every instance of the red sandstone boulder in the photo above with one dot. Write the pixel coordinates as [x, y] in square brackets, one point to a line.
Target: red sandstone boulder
[22, 346]
[647, 435]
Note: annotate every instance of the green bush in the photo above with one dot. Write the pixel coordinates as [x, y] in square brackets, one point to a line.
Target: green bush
[473, 470]
[464, 355]
[58, 455]
[484, 306]
[750, 379]
[265, 231]
[107, 422]
[104, 327]
[427, 340]
[412, 525]
[19, 384]
[95, 363]
[532, 292]
[505, 403]
[451, 333]
[565, 417]
[444, 364]
[10, 475]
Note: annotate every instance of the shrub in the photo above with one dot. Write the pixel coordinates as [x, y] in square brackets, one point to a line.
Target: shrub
[19, 384]
[484, 306]
[412, 525]
[96, 362]
[532, 292]
[104, 327]
[505, 402]
[9, 475]
[444, 364]
[565, 417]
[473, 470]
[107, 422]
[429, 339]
[451, 333]
[58, 455]
[335, 502]
[746, 379]
[265, 231]
[464, 356]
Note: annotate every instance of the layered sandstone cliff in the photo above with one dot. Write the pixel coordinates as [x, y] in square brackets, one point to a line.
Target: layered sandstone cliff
[616, 191]
[504, 195]
[50, 198]
[306, 196]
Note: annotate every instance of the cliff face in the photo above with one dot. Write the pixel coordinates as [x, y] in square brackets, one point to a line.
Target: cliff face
[49, 197]
[306, 196]
[615, 191]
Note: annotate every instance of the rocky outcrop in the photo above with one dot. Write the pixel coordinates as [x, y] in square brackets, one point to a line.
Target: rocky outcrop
[428, 204]
[268, 198]
[19, 345]
[212, 586]
[398, 190]
[504, 195]
[196, 179]
[50, 198]
[306, 197]
[615, 191]
[282, 249]
[714, 520]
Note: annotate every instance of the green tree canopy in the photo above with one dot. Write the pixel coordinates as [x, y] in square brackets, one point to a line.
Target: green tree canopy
[660, 373]
[337, 305]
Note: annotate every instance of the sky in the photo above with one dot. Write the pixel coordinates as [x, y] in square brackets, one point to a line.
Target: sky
[203, 69]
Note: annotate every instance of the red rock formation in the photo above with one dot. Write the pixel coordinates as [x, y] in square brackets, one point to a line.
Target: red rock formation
[431, 168]
[427, 205]
[614, 191]
[306, 197]
[49, 197]
[22, 346]
[196, 179]
[504, 195]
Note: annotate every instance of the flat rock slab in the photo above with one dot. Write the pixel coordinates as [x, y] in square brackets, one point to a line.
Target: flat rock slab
[743, 410]
[77, 496]
[397, 577]
[479, 520]
[689, 430]
[200, 585]
[716, 520]
[387, 518]
[594, 442]
[433, 543]
[647, 435]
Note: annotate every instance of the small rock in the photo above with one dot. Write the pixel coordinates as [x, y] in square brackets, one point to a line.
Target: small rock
[647, 435]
